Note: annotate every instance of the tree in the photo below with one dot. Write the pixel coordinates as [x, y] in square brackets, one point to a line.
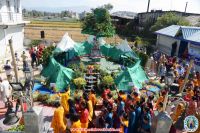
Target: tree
[108, 6]
[98, 23]
[169, 19]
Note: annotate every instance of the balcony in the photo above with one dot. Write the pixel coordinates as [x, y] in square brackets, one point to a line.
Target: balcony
[10, 18]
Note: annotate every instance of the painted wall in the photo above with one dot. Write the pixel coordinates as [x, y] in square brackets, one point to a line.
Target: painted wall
[17, 35]
[164, 44]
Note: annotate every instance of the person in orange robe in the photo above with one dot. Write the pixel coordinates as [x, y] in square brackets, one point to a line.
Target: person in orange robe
[160, 99]
[92, 97]
[64, 99]
[90, 107]
[122, 95]
[179, 110]
[195, 81]
[76, 124]
[58, 122]
[136, 97]
[124, 123]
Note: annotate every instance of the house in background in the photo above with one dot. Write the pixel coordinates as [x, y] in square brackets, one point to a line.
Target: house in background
[11, 26]
[180, 41]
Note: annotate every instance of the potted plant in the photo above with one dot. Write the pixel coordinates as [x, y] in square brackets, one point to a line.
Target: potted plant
[79, 82]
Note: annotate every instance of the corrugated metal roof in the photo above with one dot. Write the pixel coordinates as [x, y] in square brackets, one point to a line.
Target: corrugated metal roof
[169, 31]
[188, 32]
[195, 37]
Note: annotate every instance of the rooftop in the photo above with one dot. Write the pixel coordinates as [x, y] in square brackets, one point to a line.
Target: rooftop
[189, 33]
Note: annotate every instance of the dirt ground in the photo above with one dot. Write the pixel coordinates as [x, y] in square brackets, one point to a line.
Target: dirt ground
[55, 34]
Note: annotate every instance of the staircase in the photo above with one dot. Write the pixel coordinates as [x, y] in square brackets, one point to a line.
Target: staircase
[91, 81]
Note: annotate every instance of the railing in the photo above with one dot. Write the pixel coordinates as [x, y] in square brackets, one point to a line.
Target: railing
[10, 17]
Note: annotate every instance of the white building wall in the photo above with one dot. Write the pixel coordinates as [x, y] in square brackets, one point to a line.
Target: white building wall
[17, 35]
[164, 44]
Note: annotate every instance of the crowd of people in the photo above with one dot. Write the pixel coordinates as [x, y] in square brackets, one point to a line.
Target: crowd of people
[129, 112]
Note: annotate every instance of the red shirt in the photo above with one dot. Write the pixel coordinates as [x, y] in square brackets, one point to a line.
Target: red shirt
[106, 91]
[84, 116]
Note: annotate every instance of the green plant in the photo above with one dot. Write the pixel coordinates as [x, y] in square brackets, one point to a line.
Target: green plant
[35, 43]
[43, 98]
[17, 128]
[47, 52]
[79, 82]
[143, 57]
[82, 67]
[98, 23]
[108, 80]
[169, 19]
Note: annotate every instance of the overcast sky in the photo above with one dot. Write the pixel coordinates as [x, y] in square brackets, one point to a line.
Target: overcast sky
[119, 5]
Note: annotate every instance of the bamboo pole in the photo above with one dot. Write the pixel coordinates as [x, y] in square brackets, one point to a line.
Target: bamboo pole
[14, 60]
[187, 75]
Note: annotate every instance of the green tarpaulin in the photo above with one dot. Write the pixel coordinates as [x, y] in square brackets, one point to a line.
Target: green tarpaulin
[57, 74]
[134, 74]
[131, 76]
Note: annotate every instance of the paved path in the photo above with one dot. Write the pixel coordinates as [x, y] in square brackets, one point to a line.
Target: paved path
[47, 112]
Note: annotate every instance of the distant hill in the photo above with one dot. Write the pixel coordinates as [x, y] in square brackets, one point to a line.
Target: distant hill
[77, 9]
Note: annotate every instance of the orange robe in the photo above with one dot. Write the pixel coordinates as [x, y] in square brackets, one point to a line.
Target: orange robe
[122, 126]
[179, 110]
[160, 99]
[64, 100]
[93, 98]
[58, 122]
[75, 125]
[90, 107]
[123, 96]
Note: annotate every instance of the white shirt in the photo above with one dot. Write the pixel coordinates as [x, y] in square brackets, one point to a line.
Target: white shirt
[5, 90]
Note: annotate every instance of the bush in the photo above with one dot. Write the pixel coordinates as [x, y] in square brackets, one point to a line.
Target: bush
[107, 80]
[17, 128]
[144, 59]
[43, 98]
[35, 43]
[46, 53]
[79, 82]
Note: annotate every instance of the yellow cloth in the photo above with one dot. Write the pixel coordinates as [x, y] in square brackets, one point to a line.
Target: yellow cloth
[195, 81]
[64, 100]
[58, 122]
[76, 124]
[92, 97]
[122, 126]
[123, 96]
[90, 107]
[84, 125]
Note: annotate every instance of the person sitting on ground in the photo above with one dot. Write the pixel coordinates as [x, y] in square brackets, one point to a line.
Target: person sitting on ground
[58, 122]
